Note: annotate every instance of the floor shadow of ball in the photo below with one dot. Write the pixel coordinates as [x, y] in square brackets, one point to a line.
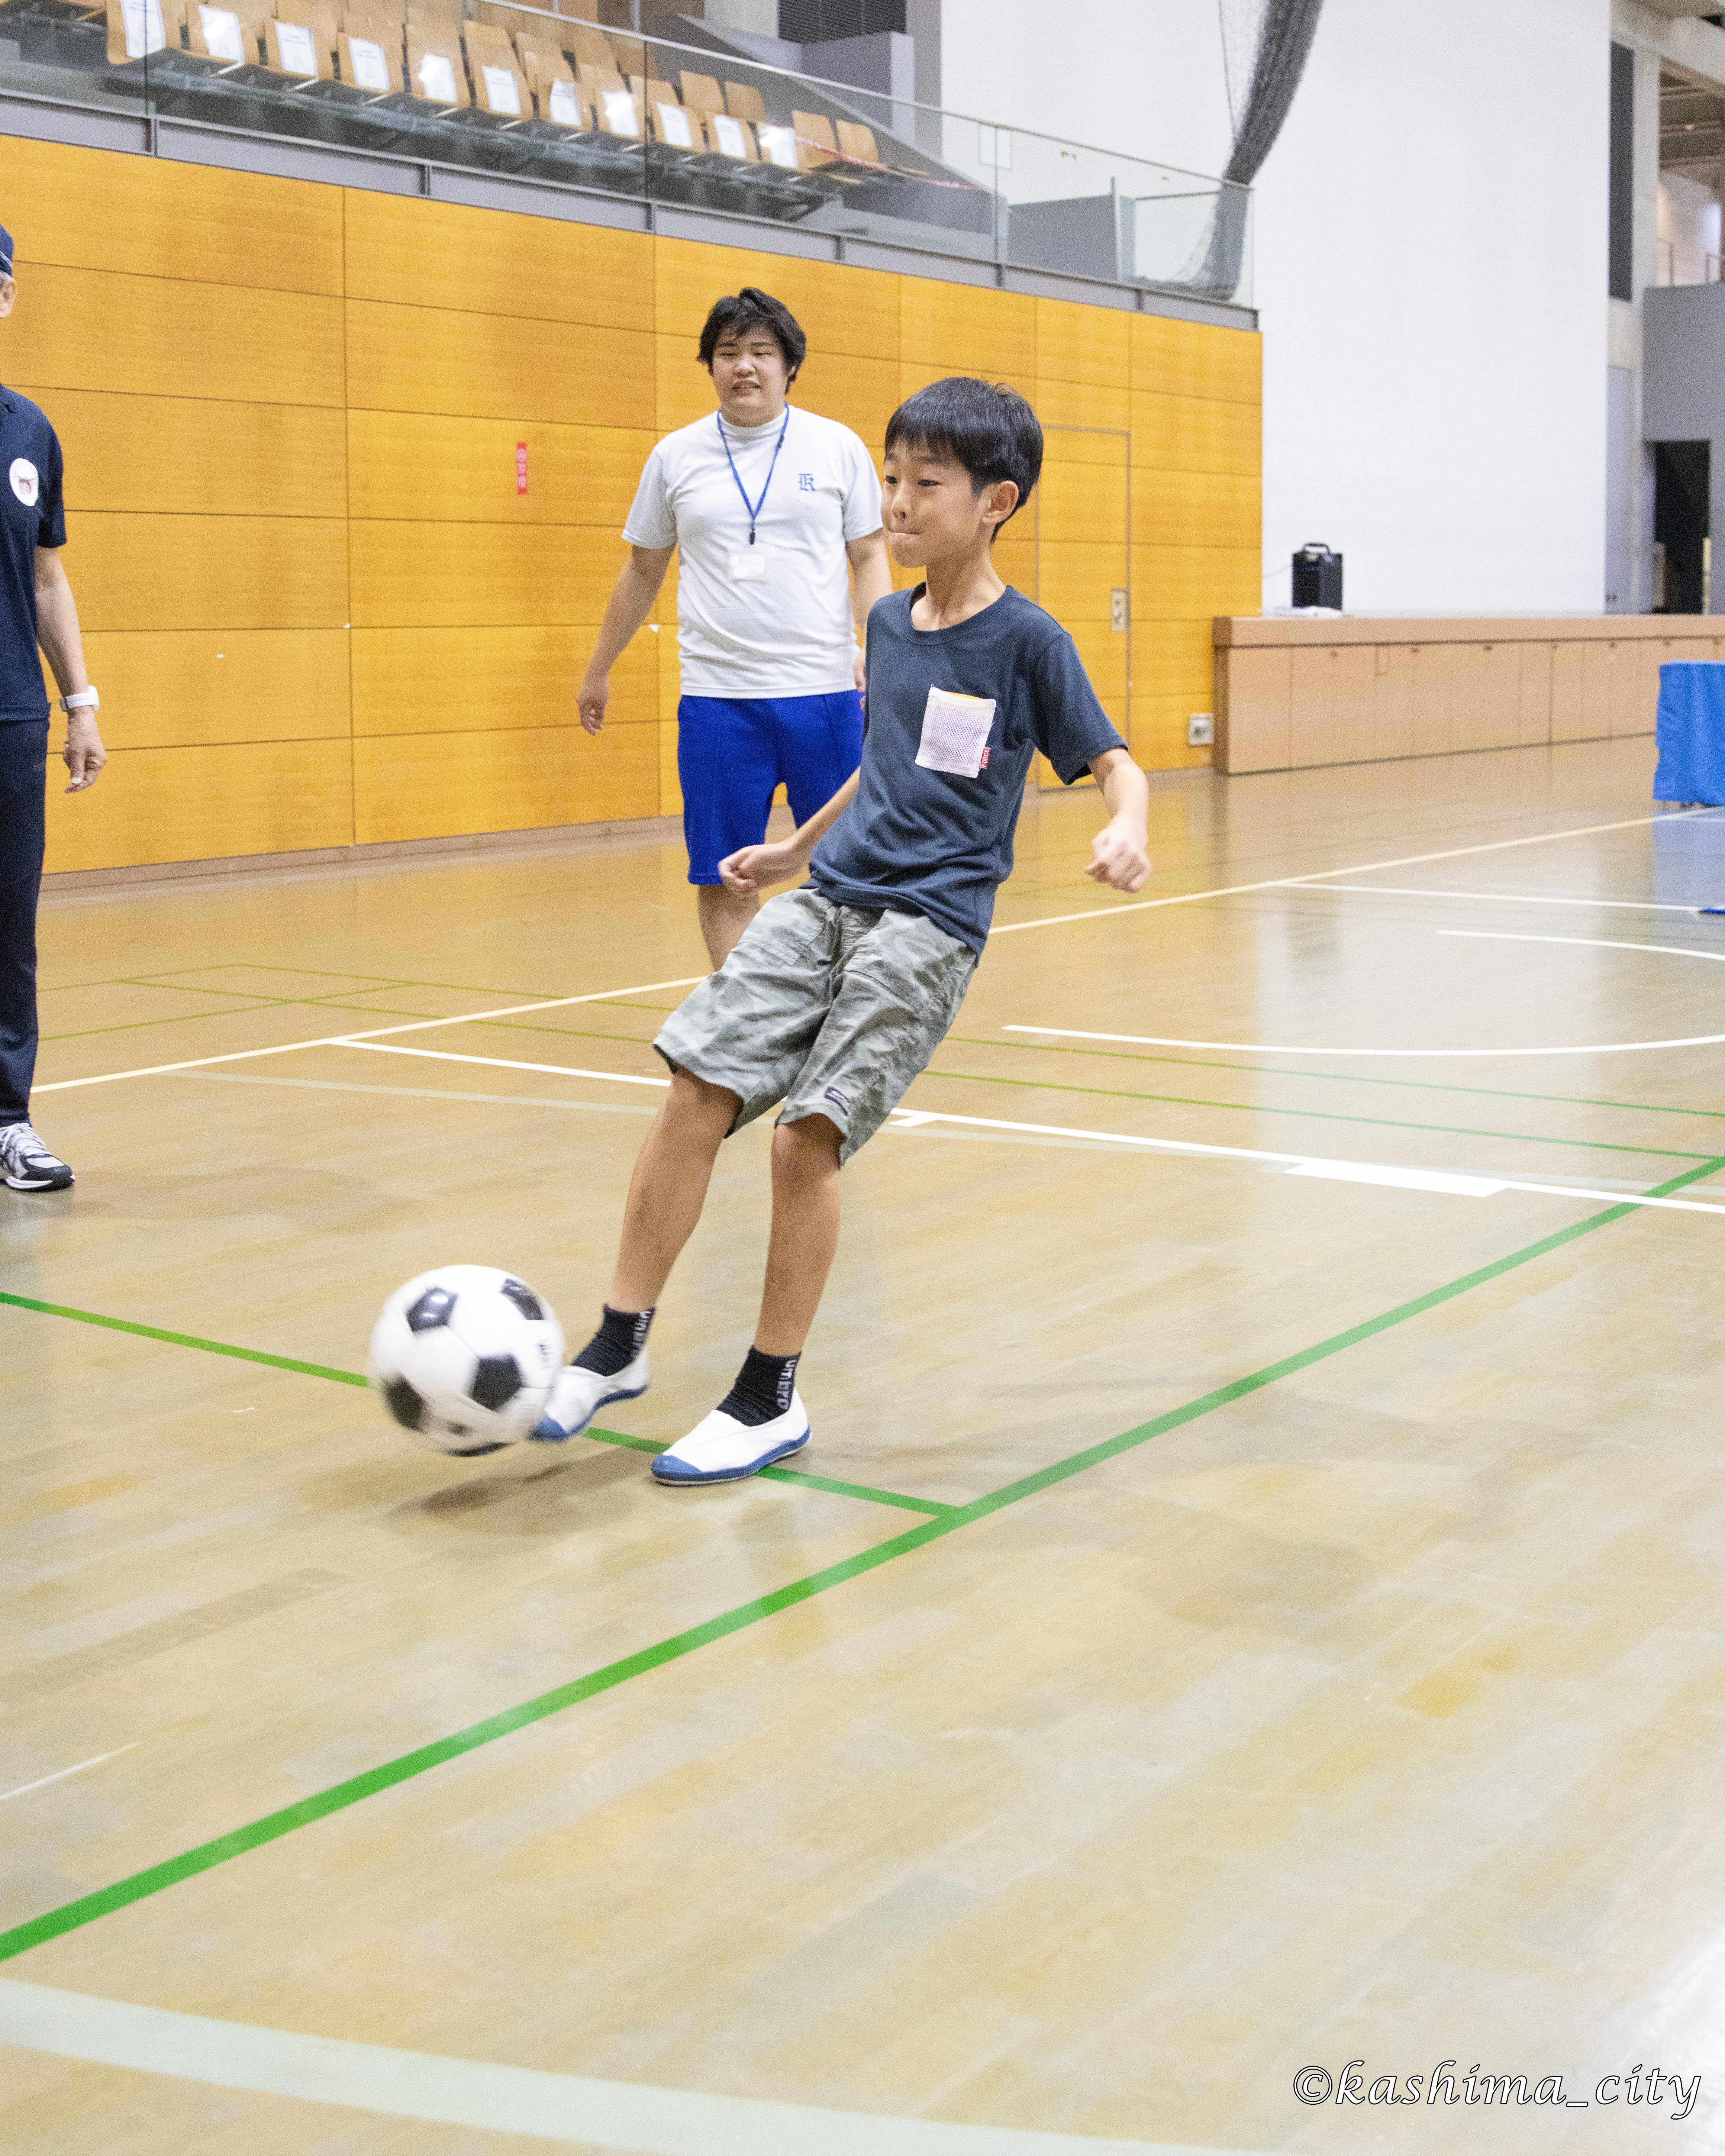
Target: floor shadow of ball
[553, 1499]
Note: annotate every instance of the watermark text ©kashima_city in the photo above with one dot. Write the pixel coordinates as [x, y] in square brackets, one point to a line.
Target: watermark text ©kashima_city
[1446, 2084]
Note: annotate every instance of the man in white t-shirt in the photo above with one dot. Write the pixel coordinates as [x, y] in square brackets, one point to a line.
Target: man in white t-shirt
[774, 512]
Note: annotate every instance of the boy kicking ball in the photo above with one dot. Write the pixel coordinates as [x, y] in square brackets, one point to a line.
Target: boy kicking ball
[840, 993]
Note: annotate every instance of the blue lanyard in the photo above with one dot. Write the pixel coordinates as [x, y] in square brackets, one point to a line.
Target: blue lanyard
[754, 508]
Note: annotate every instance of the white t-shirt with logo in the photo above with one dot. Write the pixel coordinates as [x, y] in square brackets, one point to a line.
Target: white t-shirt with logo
[773, 619]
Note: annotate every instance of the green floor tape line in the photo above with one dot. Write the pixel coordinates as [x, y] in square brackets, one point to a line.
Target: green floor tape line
[932, 1505]
[73, 1916]
[183, 1340]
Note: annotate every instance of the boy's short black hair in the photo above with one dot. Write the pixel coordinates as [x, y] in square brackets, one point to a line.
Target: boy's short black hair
[753, 309]
[984, 426]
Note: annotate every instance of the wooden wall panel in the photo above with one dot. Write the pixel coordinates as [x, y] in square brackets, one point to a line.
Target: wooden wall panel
[213, 572]
[1596, 669]
[486, 367]
[1174, 657]
[1079, 344]
[179, 688]
[1093, 406]
[966, 329]
[1194, 434]
[683, 393]
[1353, 685]
[426, 786]
[1452, 692]
[840, 309]
[1193, 359]
[95, 329]
[1198, 509]
[412, 464]
[1432, 697]
[1533, 699]
[1077, 582]
[205, 803]
[1254, 714]
[474, 575]
[1393, 702]
[1635, 688]
[197, 456]
[1082, 503]
[420, 254]
[1311, 702]
[861, 394]
[1485, 695]
[287, 408]
[1179, 583]
[470, 680]
[1566, 722]
[149, 217]
[1158, 732]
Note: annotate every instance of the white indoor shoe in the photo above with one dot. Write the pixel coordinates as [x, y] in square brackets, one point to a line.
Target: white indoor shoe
[576, 1395]
[723, 1449]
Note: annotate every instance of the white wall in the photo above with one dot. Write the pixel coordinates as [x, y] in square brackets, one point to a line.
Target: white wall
[1430, 259]
[1141, 77]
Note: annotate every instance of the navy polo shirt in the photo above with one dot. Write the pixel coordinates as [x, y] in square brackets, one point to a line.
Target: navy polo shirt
[32, 514]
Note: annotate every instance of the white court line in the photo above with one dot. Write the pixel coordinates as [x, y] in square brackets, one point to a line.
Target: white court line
[1460, 1184]
[1412, 1178]
[1475, 934]
[24, 1789]
[1365, 868]
[430, 1093]
[471, 2092]
[1592, 943]
[1010, 928]
[372, 1032]
[1503, 897]
[497, 1063]
[1272, 1048]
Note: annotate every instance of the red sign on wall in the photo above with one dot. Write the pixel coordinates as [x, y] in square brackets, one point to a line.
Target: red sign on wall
[520, 467]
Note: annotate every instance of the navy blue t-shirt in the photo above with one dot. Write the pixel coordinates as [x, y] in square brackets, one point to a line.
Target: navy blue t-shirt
[32, 514]
[938, 841]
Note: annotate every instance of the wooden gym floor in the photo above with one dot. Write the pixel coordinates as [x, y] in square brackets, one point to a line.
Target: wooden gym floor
[1253, 1601]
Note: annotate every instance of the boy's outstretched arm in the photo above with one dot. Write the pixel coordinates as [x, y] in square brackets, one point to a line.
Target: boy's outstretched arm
[1121, 855]
[756, 868]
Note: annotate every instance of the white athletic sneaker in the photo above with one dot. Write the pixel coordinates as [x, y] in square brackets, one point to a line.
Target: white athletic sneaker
[576, 1395]
[723, 1449]
[26, 1164]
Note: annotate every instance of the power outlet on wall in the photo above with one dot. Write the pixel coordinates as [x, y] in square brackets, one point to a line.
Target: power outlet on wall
[1200, 729]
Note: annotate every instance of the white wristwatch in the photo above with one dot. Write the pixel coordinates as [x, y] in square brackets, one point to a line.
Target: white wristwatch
[84, 699]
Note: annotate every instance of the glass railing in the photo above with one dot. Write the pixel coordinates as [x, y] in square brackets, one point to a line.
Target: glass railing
[538, 95]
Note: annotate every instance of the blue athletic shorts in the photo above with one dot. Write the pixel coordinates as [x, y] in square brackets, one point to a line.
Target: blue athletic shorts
[733, 754]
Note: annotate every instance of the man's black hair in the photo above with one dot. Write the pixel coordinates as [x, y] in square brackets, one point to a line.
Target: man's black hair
[753, 309]
[987, 428]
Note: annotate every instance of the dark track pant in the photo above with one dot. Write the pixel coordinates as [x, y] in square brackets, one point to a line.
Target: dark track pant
[23, 764]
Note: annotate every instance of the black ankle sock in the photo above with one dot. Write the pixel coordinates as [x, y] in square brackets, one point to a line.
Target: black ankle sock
[621, 1337]
[763, 1390]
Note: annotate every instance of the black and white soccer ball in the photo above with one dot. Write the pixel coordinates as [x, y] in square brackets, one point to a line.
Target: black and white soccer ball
[464, 1357]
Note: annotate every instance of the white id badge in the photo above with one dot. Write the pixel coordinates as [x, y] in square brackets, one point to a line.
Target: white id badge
[748, 565]
[955, 732]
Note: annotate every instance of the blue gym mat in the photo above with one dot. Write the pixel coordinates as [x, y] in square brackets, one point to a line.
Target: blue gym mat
[1691, 733]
